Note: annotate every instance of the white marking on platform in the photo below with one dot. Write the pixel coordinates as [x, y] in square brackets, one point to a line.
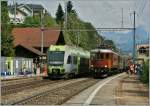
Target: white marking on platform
[90, 98]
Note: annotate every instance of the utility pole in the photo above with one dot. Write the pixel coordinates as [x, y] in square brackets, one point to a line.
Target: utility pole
[15, 11]
[78, 36]
[42, 28]
[66, 14]
[134, 43]
[122, 19]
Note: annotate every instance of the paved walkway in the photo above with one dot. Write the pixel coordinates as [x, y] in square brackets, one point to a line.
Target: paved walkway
[131, 91]
[4, 78]
[123, 90]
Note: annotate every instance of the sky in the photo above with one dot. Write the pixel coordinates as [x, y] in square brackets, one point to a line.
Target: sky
[106, 14]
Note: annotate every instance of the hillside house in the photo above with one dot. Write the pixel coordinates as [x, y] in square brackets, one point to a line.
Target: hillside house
[143, 51]
[23, 11]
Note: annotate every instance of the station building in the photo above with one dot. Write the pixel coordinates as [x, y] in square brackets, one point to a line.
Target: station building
[27, 45]
[27, 41]
[142, 52]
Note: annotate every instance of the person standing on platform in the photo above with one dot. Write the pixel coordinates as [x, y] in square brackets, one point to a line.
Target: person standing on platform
[24, 69]
[132, 69]
[139, 71]
[38, 70]
[34, 68]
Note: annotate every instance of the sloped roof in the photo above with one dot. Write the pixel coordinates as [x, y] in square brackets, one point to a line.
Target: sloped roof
[32, 36]
[12, 9]
[35, 6]
[30, 7]
[32, 49]
[103, 51]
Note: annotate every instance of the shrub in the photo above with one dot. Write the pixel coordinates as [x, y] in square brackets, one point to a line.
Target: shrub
[145, 73]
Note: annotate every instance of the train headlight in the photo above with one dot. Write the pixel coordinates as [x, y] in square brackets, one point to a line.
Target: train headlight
[106, 66]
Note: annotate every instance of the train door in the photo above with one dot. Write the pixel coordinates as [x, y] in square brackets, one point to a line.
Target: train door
[84, 66]
[74, 65]
[69, 65]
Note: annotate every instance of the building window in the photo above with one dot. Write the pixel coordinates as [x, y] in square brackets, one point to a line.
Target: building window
[142, 50]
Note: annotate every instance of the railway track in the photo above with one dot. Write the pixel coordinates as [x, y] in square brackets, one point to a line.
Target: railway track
[17, 81]
[52, 93]
[59, 95]
[9, 89]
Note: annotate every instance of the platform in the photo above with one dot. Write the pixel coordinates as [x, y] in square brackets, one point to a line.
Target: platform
[13, 77]
[122, 90]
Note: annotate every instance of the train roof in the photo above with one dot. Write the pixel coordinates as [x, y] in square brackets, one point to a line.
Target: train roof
[71, 49]
[103, 51]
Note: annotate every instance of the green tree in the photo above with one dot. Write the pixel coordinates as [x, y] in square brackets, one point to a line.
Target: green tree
[6, 37]
[36, 22]
[69, 6]
[110, 44]
[32, 21]
[84, 39]
[49, 21]
[145, 73]
[59, 15]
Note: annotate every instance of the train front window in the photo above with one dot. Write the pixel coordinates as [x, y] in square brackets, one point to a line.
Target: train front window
[56, 57]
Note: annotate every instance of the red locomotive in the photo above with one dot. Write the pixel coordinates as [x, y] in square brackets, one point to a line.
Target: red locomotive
[105, 62]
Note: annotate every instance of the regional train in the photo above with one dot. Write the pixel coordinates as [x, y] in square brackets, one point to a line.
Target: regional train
[65, 61]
